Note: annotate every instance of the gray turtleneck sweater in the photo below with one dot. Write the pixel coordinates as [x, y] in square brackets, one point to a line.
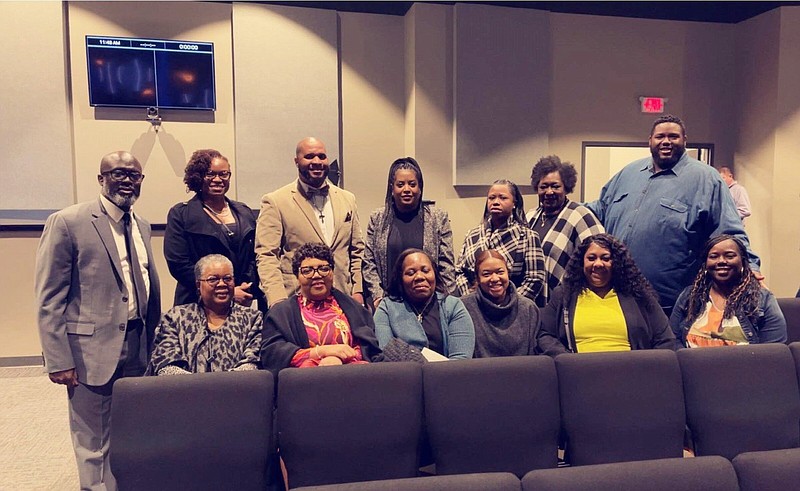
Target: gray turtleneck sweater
[503, 330]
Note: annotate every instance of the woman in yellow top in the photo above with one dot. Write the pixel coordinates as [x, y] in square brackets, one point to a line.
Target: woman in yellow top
[604, 303]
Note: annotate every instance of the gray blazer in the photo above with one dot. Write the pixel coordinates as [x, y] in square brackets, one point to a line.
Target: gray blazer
[437, 241]
[81, 296]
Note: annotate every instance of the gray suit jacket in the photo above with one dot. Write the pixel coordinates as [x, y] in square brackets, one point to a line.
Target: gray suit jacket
[81, 296]
[288, 221]
[437, 241]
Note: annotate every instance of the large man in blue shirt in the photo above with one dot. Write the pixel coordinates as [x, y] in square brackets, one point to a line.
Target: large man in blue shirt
[665, 207]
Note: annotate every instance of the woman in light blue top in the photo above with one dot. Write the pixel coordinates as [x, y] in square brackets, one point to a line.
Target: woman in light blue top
[417, 312]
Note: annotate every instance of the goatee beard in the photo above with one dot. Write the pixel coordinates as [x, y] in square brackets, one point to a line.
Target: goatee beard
[123, 202]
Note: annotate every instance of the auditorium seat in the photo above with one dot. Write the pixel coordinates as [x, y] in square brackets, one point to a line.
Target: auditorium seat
[621, 406]
[492, 414]
[497, 481]
[691, 474]
[203, 431]
[741, 398]
[791, 312]
[350, 423]
[795, 349]
[772, 470]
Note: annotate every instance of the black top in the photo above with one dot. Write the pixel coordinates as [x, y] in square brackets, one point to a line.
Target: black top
[405, 231]
[544, 224]
[192, 234]
[431, 323]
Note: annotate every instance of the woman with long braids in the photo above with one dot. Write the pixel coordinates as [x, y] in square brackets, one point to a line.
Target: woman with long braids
[406, 221]
[726, 305]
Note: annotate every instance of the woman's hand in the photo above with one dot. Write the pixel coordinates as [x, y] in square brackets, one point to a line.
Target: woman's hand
[241, 296]
[340, 351]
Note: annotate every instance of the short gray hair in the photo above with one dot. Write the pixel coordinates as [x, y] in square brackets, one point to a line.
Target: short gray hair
[210, 259]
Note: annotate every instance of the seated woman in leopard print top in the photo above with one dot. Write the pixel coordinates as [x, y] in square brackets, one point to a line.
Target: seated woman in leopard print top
[214, 334]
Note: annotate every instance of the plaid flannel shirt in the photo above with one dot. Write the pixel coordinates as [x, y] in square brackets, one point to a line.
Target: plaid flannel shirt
[574, 224]
[520, 247]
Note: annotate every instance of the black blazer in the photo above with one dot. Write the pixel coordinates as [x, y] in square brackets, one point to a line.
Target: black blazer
[192, 234]
[284, 332]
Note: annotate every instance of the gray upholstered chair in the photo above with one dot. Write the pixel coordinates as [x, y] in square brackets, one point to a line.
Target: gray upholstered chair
[496, 481]
[706, 473]
[621, 406]
[741, 398]
[202, 431]
[771, 470]
[791, 312]
[492, 414]
[350, 423]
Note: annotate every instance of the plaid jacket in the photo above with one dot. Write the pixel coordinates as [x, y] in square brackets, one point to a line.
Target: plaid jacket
[574, 224]
[522, 250]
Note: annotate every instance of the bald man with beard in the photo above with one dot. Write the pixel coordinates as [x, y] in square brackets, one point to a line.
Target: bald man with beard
[99, 302]
[309, 209]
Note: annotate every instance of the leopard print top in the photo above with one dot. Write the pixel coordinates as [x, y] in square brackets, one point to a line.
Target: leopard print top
[183, 340]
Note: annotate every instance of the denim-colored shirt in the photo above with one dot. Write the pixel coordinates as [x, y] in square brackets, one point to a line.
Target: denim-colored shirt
[665, 218]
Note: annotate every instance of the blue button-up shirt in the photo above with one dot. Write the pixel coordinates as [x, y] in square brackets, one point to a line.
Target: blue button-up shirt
[665, 218]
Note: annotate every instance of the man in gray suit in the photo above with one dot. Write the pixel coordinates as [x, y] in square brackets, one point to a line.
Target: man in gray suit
[98, 305]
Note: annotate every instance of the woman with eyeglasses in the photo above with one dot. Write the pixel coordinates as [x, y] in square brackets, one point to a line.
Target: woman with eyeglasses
[211, 223]
[318, 325]
[213, 334]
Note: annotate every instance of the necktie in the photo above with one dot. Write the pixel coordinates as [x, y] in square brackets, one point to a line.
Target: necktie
[136, 270]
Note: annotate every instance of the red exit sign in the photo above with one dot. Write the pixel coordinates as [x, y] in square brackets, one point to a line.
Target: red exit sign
[652, 104]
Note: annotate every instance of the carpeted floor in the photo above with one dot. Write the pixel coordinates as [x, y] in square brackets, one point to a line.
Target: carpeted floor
[35, 447]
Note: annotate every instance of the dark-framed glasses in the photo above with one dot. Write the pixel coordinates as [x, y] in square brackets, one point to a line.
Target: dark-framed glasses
[120, 175]
[224, 175]
[309, 271]
[213, 280]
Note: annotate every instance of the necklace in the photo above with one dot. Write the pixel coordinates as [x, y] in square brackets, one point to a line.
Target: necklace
[218, 216]
[319, 209]
[424, 308]
[714, 304]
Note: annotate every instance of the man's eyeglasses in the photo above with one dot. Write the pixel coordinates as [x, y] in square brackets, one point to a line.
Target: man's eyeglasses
[224, 175]
[323, 271]
[120, 175]
[213, 280]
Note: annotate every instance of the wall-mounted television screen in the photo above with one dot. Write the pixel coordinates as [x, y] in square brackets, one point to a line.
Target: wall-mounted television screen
[162, 73]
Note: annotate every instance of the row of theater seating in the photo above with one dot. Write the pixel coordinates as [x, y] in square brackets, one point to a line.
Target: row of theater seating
[364, 423]
[791, 312]
[752, 471]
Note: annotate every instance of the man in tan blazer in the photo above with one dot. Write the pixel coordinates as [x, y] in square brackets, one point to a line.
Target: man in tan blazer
[310, 209]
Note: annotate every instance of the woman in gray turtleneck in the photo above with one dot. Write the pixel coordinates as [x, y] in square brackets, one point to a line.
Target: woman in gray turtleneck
[505, 322]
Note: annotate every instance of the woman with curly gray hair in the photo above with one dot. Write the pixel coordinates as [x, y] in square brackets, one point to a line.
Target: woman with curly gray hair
[604, 303]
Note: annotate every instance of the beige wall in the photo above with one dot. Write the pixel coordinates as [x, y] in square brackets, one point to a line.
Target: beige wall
[286, 76]
[33, 37]
[395, 98]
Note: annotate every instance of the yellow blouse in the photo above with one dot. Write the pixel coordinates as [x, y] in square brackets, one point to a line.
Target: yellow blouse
[599, 324]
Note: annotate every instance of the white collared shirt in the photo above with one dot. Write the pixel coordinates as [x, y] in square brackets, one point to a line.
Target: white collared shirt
[321, 203]
[115, 215]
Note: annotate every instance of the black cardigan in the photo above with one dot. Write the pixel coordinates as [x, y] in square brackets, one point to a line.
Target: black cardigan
[648, 326]
[192, 234]
[284, 332]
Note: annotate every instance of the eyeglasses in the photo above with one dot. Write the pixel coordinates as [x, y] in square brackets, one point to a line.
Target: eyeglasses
[323, 271]
[224, 175]
[120, 175]
[213, 280]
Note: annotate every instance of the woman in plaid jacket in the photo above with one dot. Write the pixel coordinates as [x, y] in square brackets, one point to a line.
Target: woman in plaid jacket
[505, 230]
